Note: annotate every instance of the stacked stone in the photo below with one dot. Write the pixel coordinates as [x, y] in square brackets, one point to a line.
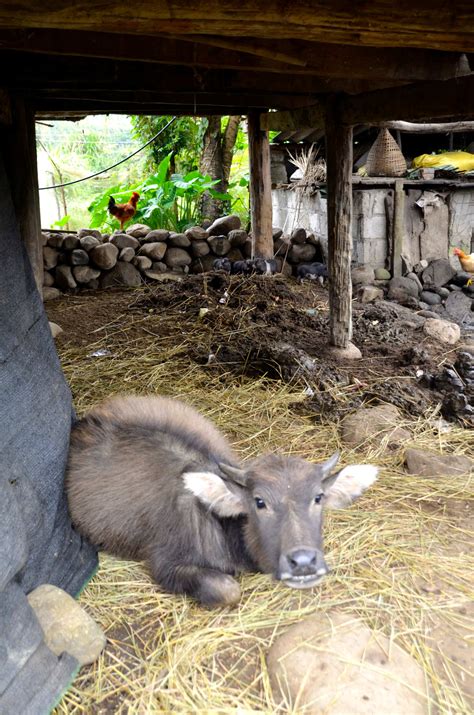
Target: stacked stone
[90, 260]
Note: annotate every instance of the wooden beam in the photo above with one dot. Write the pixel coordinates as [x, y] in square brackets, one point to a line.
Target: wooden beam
[5, 107]
[339, 192]
[20, 154]
[398, 228]
[310, 118]
[432, 128]
[291, 56]
[433, 24]
[260, 188]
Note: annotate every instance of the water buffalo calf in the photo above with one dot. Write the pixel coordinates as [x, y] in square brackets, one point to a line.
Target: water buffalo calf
[150, 478]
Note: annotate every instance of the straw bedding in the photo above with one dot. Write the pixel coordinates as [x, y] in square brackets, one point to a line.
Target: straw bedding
[401, 557]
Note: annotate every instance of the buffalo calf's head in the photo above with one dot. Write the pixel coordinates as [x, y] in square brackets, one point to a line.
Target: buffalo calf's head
[283, 499]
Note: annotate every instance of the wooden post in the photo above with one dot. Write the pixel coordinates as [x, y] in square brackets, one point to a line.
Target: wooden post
[339, 189]
[20, 155]
[260, 188]
[398, 228]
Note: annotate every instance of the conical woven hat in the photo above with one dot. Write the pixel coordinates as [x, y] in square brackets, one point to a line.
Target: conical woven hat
[385, 158]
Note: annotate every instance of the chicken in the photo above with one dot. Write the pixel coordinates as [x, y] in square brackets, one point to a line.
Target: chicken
[466, 261]
[124, 212]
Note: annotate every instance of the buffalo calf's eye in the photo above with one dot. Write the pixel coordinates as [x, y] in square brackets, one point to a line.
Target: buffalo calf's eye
[259, 503]
[318, 498]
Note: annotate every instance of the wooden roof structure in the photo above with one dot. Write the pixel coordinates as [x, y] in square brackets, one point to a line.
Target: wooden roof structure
[312, 63]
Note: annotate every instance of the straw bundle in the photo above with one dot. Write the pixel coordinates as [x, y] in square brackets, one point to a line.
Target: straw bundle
[385, 157]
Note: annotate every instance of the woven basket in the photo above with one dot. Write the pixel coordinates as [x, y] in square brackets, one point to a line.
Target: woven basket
[385, 157]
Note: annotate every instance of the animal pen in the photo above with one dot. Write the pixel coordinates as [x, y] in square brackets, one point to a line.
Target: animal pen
[401, 560]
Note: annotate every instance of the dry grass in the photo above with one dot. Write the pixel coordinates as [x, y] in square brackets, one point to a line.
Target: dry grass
[398, 557]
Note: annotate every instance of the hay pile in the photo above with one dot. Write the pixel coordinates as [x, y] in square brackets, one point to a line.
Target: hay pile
[401, 557]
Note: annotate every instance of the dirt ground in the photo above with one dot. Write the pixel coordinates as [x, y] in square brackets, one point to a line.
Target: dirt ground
[253, 355]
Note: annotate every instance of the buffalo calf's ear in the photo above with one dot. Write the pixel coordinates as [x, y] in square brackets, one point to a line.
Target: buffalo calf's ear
[212, 491]
[349, 484]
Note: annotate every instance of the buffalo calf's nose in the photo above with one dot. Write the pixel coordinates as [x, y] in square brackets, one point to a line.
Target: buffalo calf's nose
[302, 559]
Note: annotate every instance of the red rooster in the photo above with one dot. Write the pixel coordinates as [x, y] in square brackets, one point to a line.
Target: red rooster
[124, 212]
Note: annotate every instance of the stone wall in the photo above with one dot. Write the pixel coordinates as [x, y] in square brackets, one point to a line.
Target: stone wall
[436, 221]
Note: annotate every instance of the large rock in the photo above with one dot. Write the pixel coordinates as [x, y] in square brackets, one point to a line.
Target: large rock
[123, 240]
[334, 664]
[138, 230]
[362, 275]
[155, 251]
[442, 330]
[90, 232]
[66, 626]
[459, 307]
[196, 233]
[427, 296]
[48, 279]
[432, 464]
[79, 257]
[199, 249]
[122, 274]
[374, 425]
[51, 294]
[220, 245]
[222, 226]
[367, 294]
[64, 279]
[155, 236]
[237, 237]
[298, 236]
[302, 253]
[143, 263]
[55, 240]
[85, 274]
[381, 274]
[176, 257]
[179, 240]
[438, 273]
[70, 242]
[402, 290]
[127, 255]
[104, 256]
[87, 243]
[50, 257]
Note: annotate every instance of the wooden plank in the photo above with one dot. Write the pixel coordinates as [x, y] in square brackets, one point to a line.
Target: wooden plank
[20, 154]
[339, 193]
[291, 56]
[408, 23]
[398, 230]
[260, 188]
[430, 128]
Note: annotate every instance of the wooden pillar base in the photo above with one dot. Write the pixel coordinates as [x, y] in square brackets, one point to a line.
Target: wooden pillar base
[260, 188]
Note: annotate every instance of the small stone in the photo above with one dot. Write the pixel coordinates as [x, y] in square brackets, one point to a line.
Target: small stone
[156, 236]
[298, 235]
[175, 257]
[159, 267]
[50, 257]
[104, 256]
[362, 275]
[427, 313]
[90, 232]
[367, 294]
[158, 276]
[420, 267]
[85, 274]
[223, 226]
[44, 238]
[55, 240]
[122, 274]
[301, 253]
[404, 291]
[369, 424]
[127, 254]
[123, 240]
[179, 240]
[48, 279]
[70, 242]
[143, 263]
[138, 230]
[237, 237]
[381, 274]
[79, 257]
[282, 245]
[443, 292]
[55, 329]
[87, 243]
[51, 294]
[220, 245]
[155, 250]
[432, 464]
[235, 254]
[66, 626]
[91, 285]
[442, 330]
[459, 308]
[199, 248]
[429, 297]
[438, 273]
[333, 663]
[64, 279]
[196, 233]
[351, 352]
[413, 277]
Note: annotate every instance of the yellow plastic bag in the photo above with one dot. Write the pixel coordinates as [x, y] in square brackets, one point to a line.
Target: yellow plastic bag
[460, 160]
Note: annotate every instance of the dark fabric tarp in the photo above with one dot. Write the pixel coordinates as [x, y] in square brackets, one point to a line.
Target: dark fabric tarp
[37, 542]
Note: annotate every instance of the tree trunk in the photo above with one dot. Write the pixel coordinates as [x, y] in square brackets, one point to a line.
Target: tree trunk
[216, 161]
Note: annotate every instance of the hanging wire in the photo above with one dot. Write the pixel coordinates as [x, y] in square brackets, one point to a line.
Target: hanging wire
[102, 171]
